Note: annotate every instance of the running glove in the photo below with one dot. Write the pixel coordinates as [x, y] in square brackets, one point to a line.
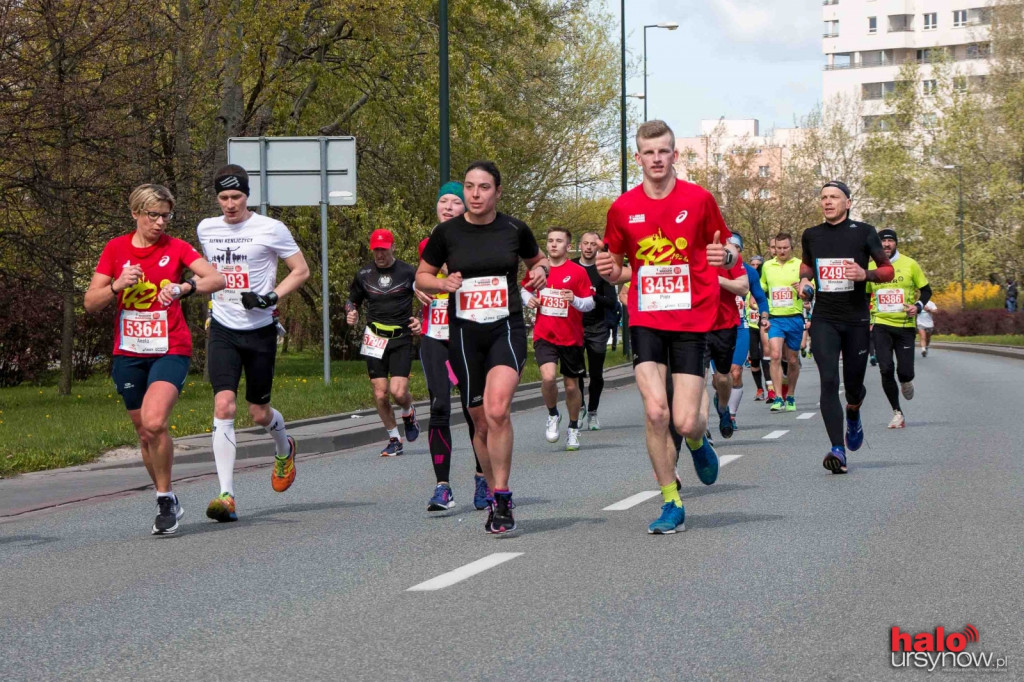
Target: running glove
[252, 300]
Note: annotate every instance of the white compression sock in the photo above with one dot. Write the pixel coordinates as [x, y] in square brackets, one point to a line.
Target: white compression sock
[734, 399]
[224, 453]
[277, 431]
[393, 433]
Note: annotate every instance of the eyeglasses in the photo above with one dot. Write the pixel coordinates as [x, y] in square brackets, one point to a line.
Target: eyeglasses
[154, 216]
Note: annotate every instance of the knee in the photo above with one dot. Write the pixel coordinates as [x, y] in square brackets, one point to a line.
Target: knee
[658, 416]
[380, 394]
[497, 418]
[152, 429]
[224, 408]
[689, 425]
[440, 411]
[775, 355]
[260, 414]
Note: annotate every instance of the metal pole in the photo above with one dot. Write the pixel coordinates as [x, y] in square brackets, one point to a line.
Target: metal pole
[443, 94]
[960, 215]
[323, 260]
[625, 169]
[645, 73]
[264, 199]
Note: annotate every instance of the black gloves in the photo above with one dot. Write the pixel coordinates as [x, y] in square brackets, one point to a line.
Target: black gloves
[253, 300]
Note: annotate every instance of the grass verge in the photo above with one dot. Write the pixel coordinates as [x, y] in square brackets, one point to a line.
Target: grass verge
[999, 339]
[40, 429]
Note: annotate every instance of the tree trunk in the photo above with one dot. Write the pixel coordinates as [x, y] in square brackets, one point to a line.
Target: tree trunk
[67, 336]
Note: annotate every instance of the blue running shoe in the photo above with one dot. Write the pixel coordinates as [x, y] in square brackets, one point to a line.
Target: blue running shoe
[412, 427]
[835, 461]
[854, 434]
[778, 405]
[443, 498]
[705, 461]
[724, 420]
[481, 493]
[671, 520]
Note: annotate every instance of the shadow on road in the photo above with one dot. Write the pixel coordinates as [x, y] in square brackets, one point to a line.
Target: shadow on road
[537, 526]
[29, 540]
[689, 492]
[266, 515]
[723, 519]
[878, 464]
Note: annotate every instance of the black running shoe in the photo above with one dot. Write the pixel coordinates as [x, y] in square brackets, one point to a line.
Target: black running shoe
[168, 512]
[501, 519]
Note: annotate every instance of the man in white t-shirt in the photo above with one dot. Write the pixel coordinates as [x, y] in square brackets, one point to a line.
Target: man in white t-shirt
[245, 248]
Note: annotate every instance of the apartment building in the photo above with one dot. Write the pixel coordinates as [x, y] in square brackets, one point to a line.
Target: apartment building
[721, 138]
[867, 41]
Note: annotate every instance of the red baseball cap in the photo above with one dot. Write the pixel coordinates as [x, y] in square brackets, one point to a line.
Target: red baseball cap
[382, 239]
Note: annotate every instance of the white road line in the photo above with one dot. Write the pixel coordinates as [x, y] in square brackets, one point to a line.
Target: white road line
[634, 500]
[807, 415]
[464, 572]
[775, 434]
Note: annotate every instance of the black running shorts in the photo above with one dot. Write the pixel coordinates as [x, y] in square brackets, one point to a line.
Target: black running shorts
[133, 375]
[396, 361]
[721, 346]
[232, 351]
[681, 352]
[474, 349]
[570, 358]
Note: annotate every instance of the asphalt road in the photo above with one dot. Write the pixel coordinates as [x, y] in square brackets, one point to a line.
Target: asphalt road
[785, 571]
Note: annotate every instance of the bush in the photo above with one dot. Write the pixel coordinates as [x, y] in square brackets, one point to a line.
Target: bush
[978, 322]
[30, 318]
[977, 296]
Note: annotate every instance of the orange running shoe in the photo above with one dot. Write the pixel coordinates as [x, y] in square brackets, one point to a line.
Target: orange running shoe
[222, 508]
[284, 469]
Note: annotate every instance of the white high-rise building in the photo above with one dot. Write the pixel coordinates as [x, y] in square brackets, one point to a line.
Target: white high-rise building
[866, 41]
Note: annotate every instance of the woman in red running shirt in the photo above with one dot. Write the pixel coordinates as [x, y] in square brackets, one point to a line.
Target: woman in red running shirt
[142, 272]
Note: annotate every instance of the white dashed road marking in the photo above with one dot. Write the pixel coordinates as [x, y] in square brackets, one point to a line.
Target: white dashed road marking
[807, 415]
[775, 434]
[467, 571]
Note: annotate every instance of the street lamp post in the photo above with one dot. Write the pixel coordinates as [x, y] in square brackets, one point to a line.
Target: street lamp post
[671, 26]
[960, 220]
[443, 92]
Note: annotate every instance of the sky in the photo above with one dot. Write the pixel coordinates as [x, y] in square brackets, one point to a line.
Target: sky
[734, 58]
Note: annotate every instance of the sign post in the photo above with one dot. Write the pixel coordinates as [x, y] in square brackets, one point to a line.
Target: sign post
[301, 171]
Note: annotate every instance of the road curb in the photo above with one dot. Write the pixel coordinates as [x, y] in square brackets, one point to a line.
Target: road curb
[344, 431]
[983, 348]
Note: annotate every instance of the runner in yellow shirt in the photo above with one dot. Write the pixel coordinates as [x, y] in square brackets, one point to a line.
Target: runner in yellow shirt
[894, 307]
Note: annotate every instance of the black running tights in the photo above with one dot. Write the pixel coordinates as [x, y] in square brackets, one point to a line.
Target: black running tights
[434, 356]
[830, 340]
[898, 342]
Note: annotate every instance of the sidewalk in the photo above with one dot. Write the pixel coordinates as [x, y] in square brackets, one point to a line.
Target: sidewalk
[984, 348]
[193, 455]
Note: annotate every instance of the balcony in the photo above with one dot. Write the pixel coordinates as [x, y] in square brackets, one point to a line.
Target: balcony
[901, 29]
[830, 35]
[900, 62]
[829, 2]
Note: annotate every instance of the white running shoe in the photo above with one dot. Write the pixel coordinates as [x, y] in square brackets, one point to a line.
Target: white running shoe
[898, 422]
[551, 432]
[592, 423]
[907, 388]
[572, 439]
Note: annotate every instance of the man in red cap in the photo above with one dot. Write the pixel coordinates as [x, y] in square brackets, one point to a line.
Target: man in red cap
[387, 286]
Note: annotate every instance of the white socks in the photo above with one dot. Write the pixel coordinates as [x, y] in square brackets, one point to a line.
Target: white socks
[734, 399]
[393, 433]
[224, 452]
[277, 431]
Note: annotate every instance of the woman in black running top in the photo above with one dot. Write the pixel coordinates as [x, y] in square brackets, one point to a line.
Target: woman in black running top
[482, 249]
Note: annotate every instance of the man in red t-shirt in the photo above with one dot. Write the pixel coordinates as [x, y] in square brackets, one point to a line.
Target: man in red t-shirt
[558, 333]
[675, 238]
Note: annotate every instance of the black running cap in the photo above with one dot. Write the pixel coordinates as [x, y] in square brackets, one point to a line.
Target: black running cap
[841, 186]
[888, 233]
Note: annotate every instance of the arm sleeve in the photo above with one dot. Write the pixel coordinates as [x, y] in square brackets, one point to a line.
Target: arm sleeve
[435, 253]
[926, 295]
[584, 305]
[106, 266]
[526, 295]
[284, 243]
[356, 292]
[528, 247]
[757, 291]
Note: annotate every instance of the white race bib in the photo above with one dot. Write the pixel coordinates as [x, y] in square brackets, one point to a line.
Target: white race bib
[236, 279]
[373, 345]
[552, 304]
[438, 319]
[144, 331]
[832, 275]
[782, 297]
[663, 287]
[890, 300]
[753, 317]
[483, 299]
